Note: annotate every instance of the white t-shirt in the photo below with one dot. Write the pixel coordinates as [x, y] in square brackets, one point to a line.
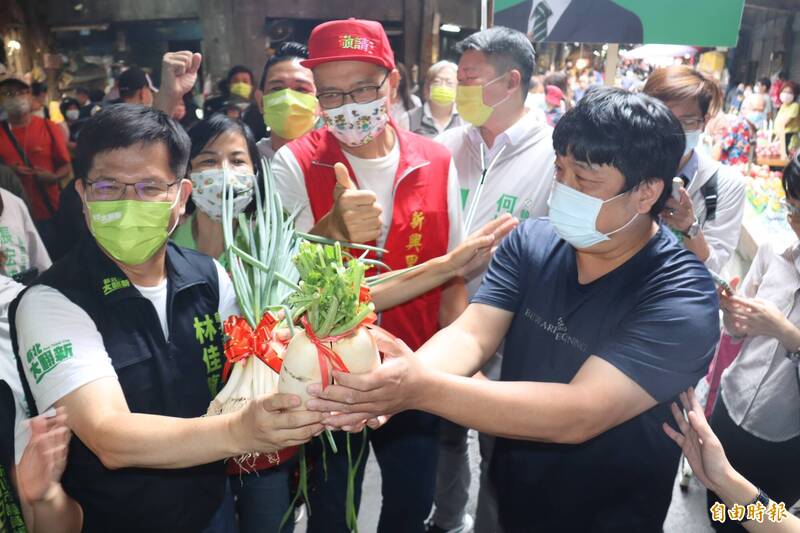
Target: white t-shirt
[9, 289]
[72, 337]
[19, 240]
[376, 175]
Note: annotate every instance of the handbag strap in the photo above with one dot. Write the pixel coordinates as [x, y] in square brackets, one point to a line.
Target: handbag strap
[39, 187]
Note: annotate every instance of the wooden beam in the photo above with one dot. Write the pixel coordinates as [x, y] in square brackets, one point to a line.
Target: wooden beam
[333, 9]
[412, 32]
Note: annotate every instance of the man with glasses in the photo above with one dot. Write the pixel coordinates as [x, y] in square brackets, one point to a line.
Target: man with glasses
[706, 213]
[125, 332]
[36, 150]
[393, 188]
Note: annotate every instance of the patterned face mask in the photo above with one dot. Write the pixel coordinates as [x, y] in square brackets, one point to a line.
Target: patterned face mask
[357, 124]
[207, 190]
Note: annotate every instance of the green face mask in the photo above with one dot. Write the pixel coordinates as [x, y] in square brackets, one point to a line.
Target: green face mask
[131, 231]
[289, 113]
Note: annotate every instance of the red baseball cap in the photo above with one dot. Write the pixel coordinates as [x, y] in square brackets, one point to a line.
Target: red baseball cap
[349, 40]
[554, 95]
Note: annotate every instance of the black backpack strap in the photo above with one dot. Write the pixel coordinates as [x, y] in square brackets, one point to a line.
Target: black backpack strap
[26, 388]
[709, 191]
[39, 187]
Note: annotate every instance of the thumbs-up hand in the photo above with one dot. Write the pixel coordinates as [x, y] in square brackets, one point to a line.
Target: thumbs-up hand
[356, 213]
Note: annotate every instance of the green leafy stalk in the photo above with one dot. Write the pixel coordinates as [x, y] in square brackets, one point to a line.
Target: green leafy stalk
[329, 290]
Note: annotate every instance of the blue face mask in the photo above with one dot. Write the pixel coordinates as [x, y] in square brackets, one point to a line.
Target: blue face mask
[574, 216]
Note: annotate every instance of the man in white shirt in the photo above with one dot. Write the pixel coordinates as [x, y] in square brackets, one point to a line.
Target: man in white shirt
[517, 150]
[362, 179]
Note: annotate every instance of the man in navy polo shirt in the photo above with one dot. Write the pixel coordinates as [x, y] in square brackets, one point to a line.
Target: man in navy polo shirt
[605, 319]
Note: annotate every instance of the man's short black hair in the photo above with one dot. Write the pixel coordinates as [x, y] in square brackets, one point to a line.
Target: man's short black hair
[506, 49]
[38, 88]
[123, 125]
[765, 82]
[634, 133]
[238, 69]
[288, 51]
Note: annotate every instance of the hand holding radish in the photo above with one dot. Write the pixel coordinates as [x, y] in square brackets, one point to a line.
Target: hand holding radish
[268, 424]
[471, 257]
[355, 216]
[365, 398]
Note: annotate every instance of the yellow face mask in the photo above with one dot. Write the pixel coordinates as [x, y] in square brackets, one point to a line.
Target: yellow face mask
[241, 89]
[469, 100]
[443, 95]
[289, 113]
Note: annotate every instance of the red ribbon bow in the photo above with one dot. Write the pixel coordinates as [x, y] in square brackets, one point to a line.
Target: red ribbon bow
[243, 342]
[327, 357]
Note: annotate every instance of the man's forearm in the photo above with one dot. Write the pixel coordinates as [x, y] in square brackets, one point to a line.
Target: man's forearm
[407, 286]
[547, 412]
[454, 351]
[151, 441]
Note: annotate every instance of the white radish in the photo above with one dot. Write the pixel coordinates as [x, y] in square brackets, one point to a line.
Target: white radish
[358, 351]
[300, 367]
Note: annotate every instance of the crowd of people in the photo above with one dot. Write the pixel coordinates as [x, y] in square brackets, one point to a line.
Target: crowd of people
[568, 243]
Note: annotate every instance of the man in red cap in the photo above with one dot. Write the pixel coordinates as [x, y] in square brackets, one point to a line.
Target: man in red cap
[399, 191]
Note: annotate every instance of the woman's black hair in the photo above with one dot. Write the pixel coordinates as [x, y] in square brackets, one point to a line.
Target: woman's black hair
[791, 178]
[403, 89]
[634, 133]
[287, 51]
[202, 133]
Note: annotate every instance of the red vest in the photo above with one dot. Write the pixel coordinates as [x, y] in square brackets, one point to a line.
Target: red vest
[420, 226]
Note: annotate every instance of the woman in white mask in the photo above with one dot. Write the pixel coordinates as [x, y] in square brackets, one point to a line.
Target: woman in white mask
[222, 149]
[787, 121]
[705, 213]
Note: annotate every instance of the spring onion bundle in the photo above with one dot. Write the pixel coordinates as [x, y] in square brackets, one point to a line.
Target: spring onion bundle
[260, 261]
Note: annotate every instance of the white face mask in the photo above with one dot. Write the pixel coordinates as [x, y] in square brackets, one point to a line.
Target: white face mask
[357, 124]
[787, 98]
[207, 190]
[73, 114]
[573, 214]
[692, 139]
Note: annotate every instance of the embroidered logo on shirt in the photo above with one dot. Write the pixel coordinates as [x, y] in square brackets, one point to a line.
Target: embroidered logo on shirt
[114, 284]
[352, 42]
[43, 360]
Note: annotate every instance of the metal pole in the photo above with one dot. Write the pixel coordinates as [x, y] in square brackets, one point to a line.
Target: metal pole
[612, 59]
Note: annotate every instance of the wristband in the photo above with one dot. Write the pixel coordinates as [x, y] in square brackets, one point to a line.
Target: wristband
[761, 498]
